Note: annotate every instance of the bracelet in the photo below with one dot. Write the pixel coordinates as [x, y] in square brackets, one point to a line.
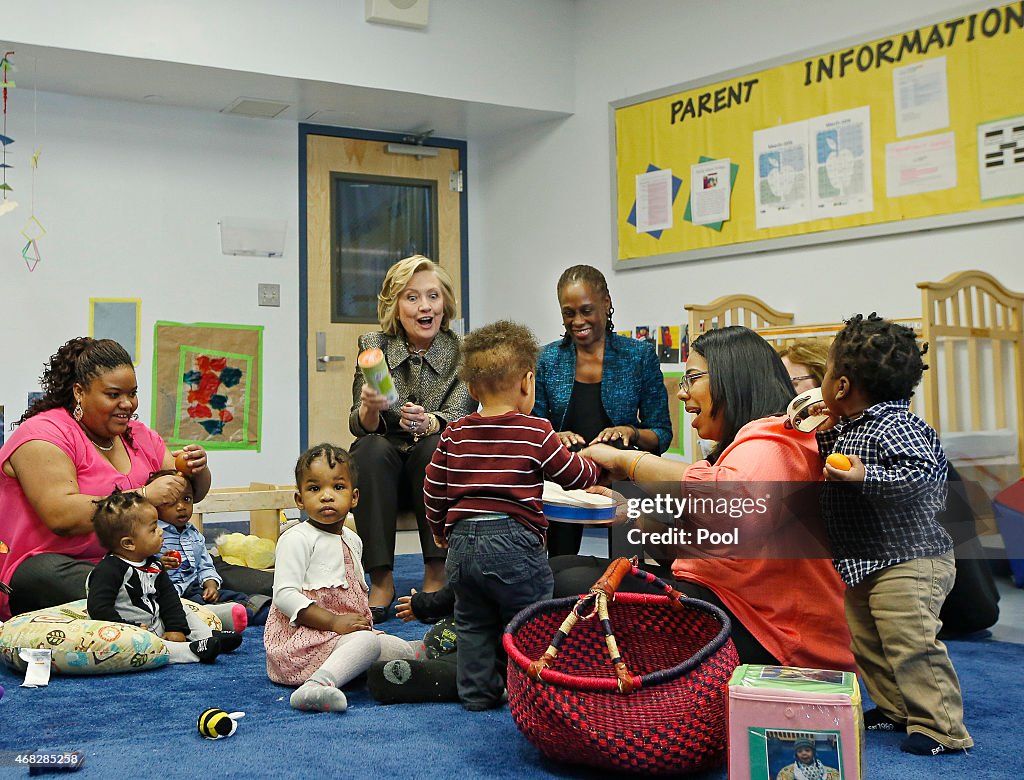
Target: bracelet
[636, 436]
[632, 467]
[144, 492]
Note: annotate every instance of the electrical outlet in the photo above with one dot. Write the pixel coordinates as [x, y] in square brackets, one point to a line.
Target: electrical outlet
[270, 295]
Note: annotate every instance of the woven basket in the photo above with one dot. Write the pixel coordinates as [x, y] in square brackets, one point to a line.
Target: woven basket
[573, 704]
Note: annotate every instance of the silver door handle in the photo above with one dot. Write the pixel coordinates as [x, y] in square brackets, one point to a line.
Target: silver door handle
[322, 359]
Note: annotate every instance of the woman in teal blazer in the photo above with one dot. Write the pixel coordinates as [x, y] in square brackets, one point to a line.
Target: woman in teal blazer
[596, 386]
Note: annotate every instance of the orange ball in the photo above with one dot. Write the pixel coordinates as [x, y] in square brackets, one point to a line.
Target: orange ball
[181, 463]
[839, 461]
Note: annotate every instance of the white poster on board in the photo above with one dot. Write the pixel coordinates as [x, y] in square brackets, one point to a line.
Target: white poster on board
[654, 201]
[841, 167]
[921, 97]
[710, 190]
[920, 165]
[782, 192]
[1001, 158]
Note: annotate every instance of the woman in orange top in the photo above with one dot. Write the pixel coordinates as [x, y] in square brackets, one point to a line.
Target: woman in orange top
[781, 591]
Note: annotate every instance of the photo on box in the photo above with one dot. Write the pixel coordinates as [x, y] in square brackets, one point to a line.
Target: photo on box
[795, 755]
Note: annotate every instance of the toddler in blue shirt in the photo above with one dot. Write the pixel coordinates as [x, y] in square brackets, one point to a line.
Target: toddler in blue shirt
[190, 565]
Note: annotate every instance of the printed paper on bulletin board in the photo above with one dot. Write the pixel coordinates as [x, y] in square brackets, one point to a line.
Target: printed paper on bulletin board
[207, 384]
[951, 143]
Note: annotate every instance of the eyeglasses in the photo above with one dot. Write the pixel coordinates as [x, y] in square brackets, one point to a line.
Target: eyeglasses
[686, 380]
[795, 379]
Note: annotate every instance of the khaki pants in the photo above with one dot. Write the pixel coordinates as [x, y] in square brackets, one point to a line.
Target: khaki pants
[894, 621]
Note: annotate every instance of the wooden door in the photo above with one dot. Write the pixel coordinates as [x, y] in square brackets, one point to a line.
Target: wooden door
[333, 166]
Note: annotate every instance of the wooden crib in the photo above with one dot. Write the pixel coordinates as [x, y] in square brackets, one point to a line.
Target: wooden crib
[973, 392]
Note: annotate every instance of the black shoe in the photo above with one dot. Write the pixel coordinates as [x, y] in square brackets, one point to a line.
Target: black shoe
[921, 745]
[229, 640]
[441, 639]
[875, 720]
[382, 614]
[207, 649]
[406, 682]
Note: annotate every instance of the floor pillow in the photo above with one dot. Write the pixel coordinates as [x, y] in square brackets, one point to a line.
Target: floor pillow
[80, 645]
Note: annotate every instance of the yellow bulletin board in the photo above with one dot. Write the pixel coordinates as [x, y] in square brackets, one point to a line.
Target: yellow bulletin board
[913, 130]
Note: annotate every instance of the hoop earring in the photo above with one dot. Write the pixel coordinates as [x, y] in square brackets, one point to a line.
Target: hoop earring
[135, 416]
[77, 413]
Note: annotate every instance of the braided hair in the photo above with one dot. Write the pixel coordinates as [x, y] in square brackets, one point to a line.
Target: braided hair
[330, 453]
[116, 516]
[879, 356]
[79, 361]
[594, 279]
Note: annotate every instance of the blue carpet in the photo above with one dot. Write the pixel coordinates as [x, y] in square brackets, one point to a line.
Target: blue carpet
[143, 725]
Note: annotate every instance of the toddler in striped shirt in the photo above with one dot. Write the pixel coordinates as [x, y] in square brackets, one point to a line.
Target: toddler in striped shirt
[483, 495]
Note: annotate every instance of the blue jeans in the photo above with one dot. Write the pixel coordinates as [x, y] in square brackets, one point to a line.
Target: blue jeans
[496, 567]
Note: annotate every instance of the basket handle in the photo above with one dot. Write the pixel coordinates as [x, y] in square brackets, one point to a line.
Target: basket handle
[597, 598]
[612, 577]
[617, 571]
[597, 601]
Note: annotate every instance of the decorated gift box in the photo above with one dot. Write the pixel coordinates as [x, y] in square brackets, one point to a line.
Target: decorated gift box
[787, 723]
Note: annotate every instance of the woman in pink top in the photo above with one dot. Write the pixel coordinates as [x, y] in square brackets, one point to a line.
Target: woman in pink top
[786, 610]
[74, 445]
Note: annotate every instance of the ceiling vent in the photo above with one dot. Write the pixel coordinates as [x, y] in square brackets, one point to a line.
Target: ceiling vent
[256, 108]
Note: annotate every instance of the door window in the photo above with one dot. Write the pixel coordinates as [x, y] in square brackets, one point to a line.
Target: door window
[375, 221]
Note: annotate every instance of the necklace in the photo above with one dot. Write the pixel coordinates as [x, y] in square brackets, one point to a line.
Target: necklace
[96, 444]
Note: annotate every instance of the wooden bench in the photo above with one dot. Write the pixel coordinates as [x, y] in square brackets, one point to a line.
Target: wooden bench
[263, 501]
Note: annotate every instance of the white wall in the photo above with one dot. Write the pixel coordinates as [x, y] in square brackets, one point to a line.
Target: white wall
[488, 51]
[131, 193]
[130, 196]
[541, 200]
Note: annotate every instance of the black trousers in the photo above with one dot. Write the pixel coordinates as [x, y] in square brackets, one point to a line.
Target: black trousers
[47, 580]
[564, 538]
[575, 574]
[391, 473]
[243, 579]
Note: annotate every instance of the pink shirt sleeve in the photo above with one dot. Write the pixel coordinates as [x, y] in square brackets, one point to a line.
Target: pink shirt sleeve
[24, 533]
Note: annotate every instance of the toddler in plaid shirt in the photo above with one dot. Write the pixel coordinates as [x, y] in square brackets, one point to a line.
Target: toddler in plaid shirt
[889, 548]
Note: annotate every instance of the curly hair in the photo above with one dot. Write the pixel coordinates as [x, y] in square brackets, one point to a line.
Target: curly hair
[330, 453]
[880, 357]
[116, 517]
[496, 356]
[398, 277]
[79, 361]
[594, 279]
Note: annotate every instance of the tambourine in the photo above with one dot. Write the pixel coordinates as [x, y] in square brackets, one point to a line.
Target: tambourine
[799, 414]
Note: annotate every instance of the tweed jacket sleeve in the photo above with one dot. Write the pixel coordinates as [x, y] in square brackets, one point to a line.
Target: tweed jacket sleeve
[432, 381]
